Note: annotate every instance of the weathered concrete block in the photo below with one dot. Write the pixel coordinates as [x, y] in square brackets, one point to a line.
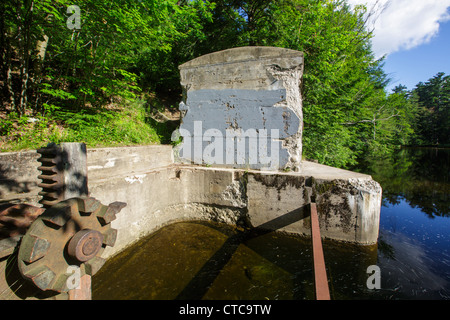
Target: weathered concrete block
[349, 209]
[278, 202]
[242, 108]
[75, 169]
[348, 203]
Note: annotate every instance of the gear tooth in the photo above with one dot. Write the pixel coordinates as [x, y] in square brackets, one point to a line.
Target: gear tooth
[117, 206]
[60, 284]
[48, 202]
[43, 253]
[93, 265]
[33, 248]
[109, 237]
[51, 149]
[88, 205]
[58, 215]
[41, 276]
[106, 215]
[48, 161]
[50, 195]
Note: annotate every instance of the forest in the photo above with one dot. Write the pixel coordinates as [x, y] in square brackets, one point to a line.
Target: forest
[103, 73]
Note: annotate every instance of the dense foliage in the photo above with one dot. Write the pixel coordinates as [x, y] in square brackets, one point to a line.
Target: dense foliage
[432, 99]
[98, 81]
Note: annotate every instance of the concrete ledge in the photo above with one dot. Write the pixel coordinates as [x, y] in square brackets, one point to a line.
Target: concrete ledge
[19, 170]
[158, 192]
[348, 203]
[104, 163]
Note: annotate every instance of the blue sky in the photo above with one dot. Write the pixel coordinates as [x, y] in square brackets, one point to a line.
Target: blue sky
[409, 67]
[414, 35]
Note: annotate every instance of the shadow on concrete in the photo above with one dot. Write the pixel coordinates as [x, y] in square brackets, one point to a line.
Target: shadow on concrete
[9, 185]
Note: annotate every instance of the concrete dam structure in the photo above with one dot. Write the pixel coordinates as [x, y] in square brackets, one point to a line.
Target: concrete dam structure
[239, 162]
[251, 95]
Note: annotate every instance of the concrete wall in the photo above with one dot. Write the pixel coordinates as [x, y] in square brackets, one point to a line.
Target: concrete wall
[158, 192]
[242, 108]
[19, 177]
[19, 170]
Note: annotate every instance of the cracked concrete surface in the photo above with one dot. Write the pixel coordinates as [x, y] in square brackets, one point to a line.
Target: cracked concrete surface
[250, 96]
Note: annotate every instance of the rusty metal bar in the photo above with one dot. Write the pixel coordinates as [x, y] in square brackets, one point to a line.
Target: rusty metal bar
[85, 292]
[320, 272]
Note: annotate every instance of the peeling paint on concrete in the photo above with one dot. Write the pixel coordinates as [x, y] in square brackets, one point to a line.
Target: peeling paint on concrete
[110, 163]
[137, 178]
[238, 91]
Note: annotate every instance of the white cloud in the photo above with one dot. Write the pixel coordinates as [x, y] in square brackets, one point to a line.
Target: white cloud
[404, 24]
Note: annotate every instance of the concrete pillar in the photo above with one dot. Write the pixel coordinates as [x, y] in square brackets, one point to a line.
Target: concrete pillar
[242, 108]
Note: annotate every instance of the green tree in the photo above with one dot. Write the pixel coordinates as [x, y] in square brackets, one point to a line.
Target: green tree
[184, 26]
[433, 100]
[24, 43]
[126, 47]
[342, 79]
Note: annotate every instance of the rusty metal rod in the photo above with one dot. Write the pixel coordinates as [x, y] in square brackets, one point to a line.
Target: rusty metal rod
[84, 292]
[320, 272]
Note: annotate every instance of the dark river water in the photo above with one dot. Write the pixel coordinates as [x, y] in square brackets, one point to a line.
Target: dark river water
[414, 241]
[203, 260]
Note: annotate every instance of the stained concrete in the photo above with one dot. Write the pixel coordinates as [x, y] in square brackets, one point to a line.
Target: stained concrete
[158, 194]
[242, 109]
[73, 168]
[348, 203]
[242, 113]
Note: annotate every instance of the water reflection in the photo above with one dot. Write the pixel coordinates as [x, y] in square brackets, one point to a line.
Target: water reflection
[410, 271]
[414, 241]
[420, 176]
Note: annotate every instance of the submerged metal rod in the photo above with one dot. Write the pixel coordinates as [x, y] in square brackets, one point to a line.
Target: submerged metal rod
[320, 272]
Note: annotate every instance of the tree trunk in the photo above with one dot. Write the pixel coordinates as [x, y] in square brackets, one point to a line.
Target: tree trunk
[24, 49]
[9, 86]
[41, 48]
[7, 72]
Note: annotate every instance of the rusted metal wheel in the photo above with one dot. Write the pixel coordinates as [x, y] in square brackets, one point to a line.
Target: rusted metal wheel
[15, 219]
[72, 232]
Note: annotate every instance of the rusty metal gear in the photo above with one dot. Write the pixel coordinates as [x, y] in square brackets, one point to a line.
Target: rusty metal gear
[72, 232]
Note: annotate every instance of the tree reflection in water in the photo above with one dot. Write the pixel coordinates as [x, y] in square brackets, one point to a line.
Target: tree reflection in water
[420, 176]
